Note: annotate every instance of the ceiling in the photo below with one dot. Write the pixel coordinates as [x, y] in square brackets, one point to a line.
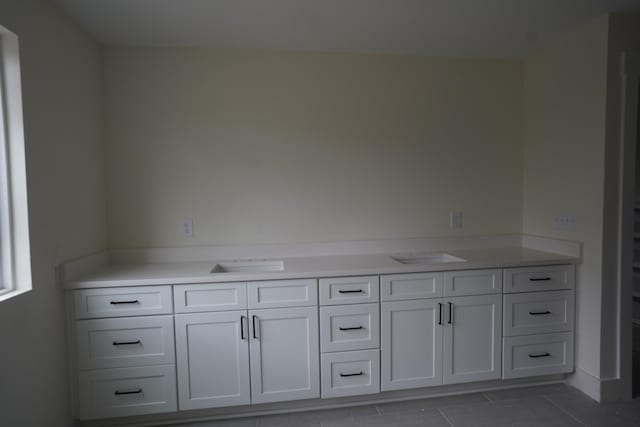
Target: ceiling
[494, 28]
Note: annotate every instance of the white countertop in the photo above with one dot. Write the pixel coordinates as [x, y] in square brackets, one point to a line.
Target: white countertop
[311, 266]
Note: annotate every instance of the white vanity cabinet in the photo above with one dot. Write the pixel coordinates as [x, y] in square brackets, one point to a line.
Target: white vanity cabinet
[411, 346]
[472, 339]
[212, 350]
[236, 357]
[143, 350]
[285, 354]
[433, 341]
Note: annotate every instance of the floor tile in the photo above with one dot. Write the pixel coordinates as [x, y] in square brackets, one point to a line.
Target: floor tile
[236, 422]
[433, 402]
[528, 412]
[594, 414]
[429, 418]
[314, 418]
[522, 392]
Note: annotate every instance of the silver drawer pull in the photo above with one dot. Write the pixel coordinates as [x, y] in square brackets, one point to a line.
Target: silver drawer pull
[539, 313]
[354, 328]
[355, 291]
[127, 342]
[539, 279]
[533, 356]
[120, 393]
[357, 374]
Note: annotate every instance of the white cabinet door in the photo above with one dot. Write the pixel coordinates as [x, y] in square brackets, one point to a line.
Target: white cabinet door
[285, 354]
[212, 359]
[411, 344]
[472, 338]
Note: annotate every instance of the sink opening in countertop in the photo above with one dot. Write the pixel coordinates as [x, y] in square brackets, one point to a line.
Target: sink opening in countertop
[248, 266]
[426, 258]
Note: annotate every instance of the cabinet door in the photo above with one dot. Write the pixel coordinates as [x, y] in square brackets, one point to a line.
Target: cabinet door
[411, 344]
[285, 354]
[472, 338]
[212, 359]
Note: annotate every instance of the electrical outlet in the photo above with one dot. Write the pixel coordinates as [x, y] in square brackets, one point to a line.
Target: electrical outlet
[186, 227]
[564, 222]
[455, 219]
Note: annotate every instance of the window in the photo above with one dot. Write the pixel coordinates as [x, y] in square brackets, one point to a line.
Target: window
[15, 263]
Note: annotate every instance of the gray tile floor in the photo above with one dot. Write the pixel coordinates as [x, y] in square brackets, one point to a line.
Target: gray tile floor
[552, 405]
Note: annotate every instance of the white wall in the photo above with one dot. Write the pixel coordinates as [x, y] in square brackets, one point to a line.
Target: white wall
[564, 127]
[61, 79]
[271, 147]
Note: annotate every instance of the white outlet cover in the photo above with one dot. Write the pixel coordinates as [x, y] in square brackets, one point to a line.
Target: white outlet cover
[455, 219]
[565, 222]
[186, 227]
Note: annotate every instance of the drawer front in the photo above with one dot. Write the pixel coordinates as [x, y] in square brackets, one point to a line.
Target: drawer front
[282, 293]
[411, 286]
[537, 355]
[124, 342]
[122, 302]
[106, 393]
[210, 297]
[349, 290]
[350, 373]
[472, 282]
[538, 313]
[349, 327]
[547, 278]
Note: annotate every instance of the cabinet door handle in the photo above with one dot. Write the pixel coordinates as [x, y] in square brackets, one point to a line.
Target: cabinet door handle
[539, 313]
[120, 393]
[135, 301]
[253, 321]
[533, 356]
[126, 342]
[539, 279]
[357, 374]
[242, 319]
[353, 328]
[450, 321]
[348, 291]
[439, 313]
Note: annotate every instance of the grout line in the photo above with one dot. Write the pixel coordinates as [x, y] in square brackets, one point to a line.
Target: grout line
[445, 417]
[545, 397]
[487, 397]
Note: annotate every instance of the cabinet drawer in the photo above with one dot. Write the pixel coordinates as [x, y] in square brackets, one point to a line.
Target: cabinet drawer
[123, 342]
[472, 282]
[537, 355]
[545, 278]
[121, 302]
[411, 286]
[282, 293]
[349, 290]
[350, 373]
[210, 297]
[106, 393]
[538, 313]
[349, 327]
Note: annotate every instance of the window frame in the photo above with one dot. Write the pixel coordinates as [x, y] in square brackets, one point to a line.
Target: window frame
[15, 252]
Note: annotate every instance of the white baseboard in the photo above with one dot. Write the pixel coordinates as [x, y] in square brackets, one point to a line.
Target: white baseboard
[600, 390]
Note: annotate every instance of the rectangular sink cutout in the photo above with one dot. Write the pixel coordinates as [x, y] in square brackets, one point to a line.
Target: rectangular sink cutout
[248, 266]
[426, 258]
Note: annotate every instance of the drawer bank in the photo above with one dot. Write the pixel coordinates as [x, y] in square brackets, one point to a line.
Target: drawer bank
[141, 350]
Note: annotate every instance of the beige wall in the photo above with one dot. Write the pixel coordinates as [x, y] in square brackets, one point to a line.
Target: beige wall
[274, 147]
[61, 74]
[564, 128]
